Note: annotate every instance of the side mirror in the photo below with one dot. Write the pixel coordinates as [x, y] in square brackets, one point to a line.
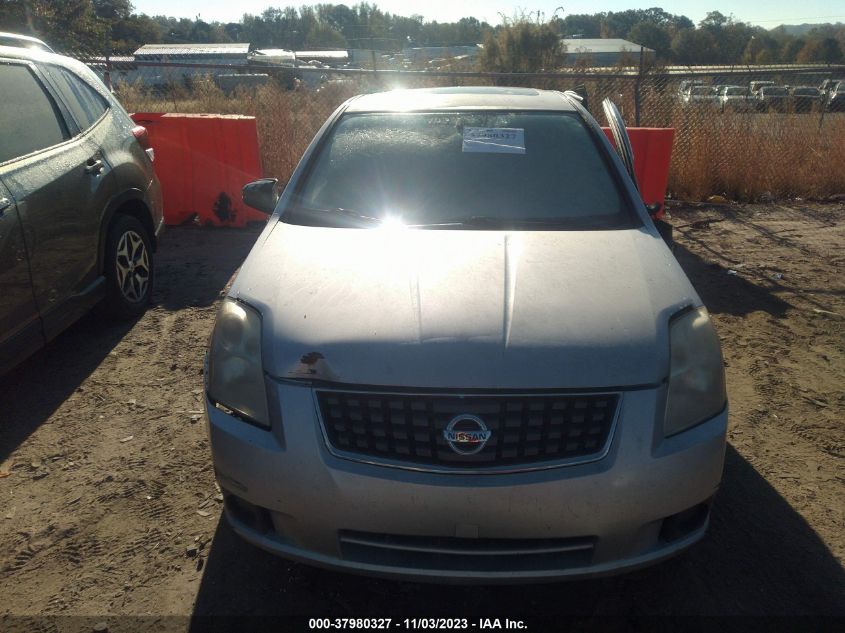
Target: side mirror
[261, 194]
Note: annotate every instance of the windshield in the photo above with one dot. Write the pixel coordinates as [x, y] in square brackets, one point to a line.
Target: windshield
[733, 92]
[472, 169]
[700, 91]
[774, 91]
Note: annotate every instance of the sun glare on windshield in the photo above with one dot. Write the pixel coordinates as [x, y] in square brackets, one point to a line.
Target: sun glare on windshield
[392, 222]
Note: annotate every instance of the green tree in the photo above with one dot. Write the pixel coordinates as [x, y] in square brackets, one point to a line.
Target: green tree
[338, 17]
[582, 25]
[831, 51]
[322, 35]
[714, 20]
[67, 25]
[407, 31]
[765, 56]
[824, 50]
[695, 46]
[468, 31]
[761, 48]
[201, 32]
[651, 36]
[790, 50]
[618, 24]
[130, 34]
[733, 39]
[112, 11]
[521, 45]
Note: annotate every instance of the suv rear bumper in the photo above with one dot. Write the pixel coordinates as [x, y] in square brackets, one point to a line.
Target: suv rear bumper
[155, 202]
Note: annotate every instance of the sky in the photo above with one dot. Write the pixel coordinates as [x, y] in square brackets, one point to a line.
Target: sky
[767, 14]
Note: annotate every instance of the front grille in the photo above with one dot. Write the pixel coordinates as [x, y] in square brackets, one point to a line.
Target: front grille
[524, 429]
[466, 554]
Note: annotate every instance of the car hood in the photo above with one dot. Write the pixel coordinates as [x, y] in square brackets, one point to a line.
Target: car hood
[465, 309]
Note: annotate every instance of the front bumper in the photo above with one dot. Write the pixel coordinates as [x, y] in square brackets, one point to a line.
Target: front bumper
[309, 499]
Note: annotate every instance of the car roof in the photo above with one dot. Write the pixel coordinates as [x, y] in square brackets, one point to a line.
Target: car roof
[71, 64]
[460, 98]
[25, 39]
[30, 54]
[39, 55]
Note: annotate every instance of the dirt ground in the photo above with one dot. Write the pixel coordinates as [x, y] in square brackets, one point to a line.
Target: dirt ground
[106, 478]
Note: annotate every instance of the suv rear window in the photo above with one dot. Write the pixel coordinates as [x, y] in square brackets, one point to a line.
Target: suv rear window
[28, 118]
[85, 104]
[476, 168]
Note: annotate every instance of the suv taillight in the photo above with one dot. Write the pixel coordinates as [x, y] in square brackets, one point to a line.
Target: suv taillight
[143, 137]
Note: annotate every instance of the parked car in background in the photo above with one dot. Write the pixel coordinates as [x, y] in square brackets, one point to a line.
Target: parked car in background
[836, 98]
[333, 84]
[685, 85]
[80, 206]
[827, 87]
[701, 96]
[773, 99]
[505, 382]
[735, 99]
[754, 86]
[806, 98]
[23, 41]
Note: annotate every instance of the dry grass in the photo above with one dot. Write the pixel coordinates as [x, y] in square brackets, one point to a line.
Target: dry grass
[743, 156]
[286, 120]
[752, 156]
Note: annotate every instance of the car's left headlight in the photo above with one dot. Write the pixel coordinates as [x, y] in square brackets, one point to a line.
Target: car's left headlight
[696, 373]
[235, 373]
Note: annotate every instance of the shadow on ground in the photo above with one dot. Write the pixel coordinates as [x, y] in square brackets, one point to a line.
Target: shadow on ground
[194, 264]
[760, 558]
[193, 267]
[31, 392]
[752, 289]
[727, 294]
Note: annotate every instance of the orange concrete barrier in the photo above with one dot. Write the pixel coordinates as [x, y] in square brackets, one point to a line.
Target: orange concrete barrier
[202, 161]
[652, 157]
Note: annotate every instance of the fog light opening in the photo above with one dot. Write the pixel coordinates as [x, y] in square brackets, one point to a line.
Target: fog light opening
[252, 516]
[677, 526]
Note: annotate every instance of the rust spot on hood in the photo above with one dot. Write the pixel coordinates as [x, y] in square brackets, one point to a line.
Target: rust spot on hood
[313, 365]
[311, 358]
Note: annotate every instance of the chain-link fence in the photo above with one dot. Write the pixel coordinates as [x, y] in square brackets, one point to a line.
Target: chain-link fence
[745, 133]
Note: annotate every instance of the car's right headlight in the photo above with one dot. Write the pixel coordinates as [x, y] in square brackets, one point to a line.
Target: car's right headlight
[235, 373]
[696, 372]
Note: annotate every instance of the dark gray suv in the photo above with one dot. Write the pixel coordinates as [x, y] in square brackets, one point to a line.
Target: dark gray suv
[80, 205]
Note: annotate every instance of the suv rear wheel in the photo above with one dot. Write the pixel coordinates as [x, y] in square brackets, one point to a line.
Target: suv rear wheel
[128, 269]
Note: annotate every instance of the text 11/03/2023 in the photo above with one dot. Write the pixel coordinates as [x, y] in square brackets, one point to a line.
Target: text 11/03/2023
[413, 624]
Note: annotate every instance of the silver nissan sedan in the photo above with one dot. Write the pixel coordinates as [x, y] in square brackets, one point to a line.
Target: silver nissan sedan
[461, 351]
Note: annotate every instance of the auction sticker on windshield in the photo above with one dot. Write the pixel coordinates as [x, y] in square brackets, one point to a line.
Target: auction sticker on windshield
[494, 140]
